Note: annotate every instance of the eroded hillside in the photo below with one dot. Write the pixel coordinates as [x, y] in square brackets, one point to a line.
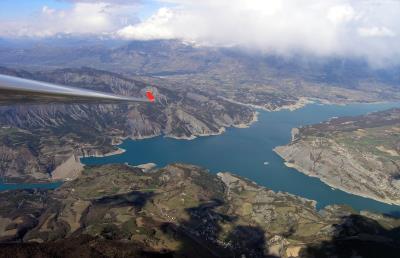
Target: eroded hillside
[360, 155]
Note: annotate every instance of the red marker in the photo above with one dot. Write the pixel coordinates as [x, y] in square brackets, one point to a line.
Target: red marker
[150, 96]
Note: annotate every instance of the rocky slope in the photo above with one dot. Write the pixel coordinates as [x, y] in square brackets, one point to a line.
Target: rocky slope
[360, 155]
[183, 211]
[36, 139]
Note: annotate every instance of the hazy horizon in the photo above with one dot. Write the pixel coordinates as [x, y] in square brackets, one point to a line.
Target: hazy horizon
[336, 28]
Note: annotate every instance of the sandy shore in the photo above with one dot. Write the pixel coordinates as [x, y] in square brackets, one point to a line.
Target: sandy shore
[96, 155]
[146, 167]
[116, 152]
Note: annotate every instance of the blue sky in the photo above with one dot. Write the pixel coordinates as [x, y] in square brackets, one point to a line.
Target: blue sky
[149, 7]
[23, 8]
[14, 9]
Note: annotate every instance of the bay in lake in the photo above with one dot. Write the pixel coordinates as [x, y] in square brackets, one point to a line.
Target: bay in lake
[249, 153]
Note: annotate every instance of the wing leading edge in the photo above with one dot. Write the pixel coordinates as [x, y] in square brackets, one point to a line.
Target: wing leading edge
[14, 90]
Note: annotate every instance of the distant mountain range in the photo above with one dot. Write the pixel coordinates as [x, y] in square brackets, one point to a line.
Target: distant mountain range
[175, 57]
[227, 72]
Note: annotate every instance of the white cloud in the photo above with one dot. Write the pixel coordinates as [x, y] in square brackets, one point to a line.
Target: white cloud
[375, 32]
[332, 27]
[81, 18]
[341, 14]
[153, 28]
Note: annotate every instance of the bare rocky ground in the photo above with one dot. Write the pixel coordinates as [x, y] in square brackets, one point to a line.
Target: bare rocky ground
[360, 155]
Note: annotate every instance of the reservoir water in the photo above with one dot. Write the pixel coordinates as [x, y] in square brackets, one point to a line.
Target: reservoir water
[17, 186]
[249, 153]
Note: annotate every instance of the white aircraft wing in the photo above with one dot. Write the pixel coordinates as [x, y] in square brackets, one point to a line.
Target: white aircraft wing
[15, 90]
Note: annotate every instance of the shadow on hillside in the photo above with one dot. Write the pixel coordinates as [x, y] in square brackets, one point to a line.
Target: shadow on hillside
[199, 235]
[358, 236]
[83, 246]
[98, 210]
[135, 198]
[394, 214]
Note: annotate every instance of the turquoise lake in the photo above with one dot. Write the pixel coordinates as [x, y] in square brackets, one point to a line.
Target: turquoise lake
[244, 151]
[19, 186]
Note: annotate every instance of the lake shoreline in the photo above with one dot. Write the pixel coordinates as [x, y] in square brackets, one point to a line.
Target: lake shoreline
[327, 182]
[268, 131]
[267, 126]
[300, 103]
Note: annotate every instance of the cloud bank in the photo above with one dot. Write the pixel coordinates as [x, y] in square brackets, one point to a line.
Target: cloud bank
[353, 28]
[84, 17]
[349, 28]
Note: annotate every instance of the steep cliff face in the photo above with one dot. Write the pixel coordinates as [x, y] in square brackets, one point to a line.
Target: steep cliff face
[52, 133]
[356, 154]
